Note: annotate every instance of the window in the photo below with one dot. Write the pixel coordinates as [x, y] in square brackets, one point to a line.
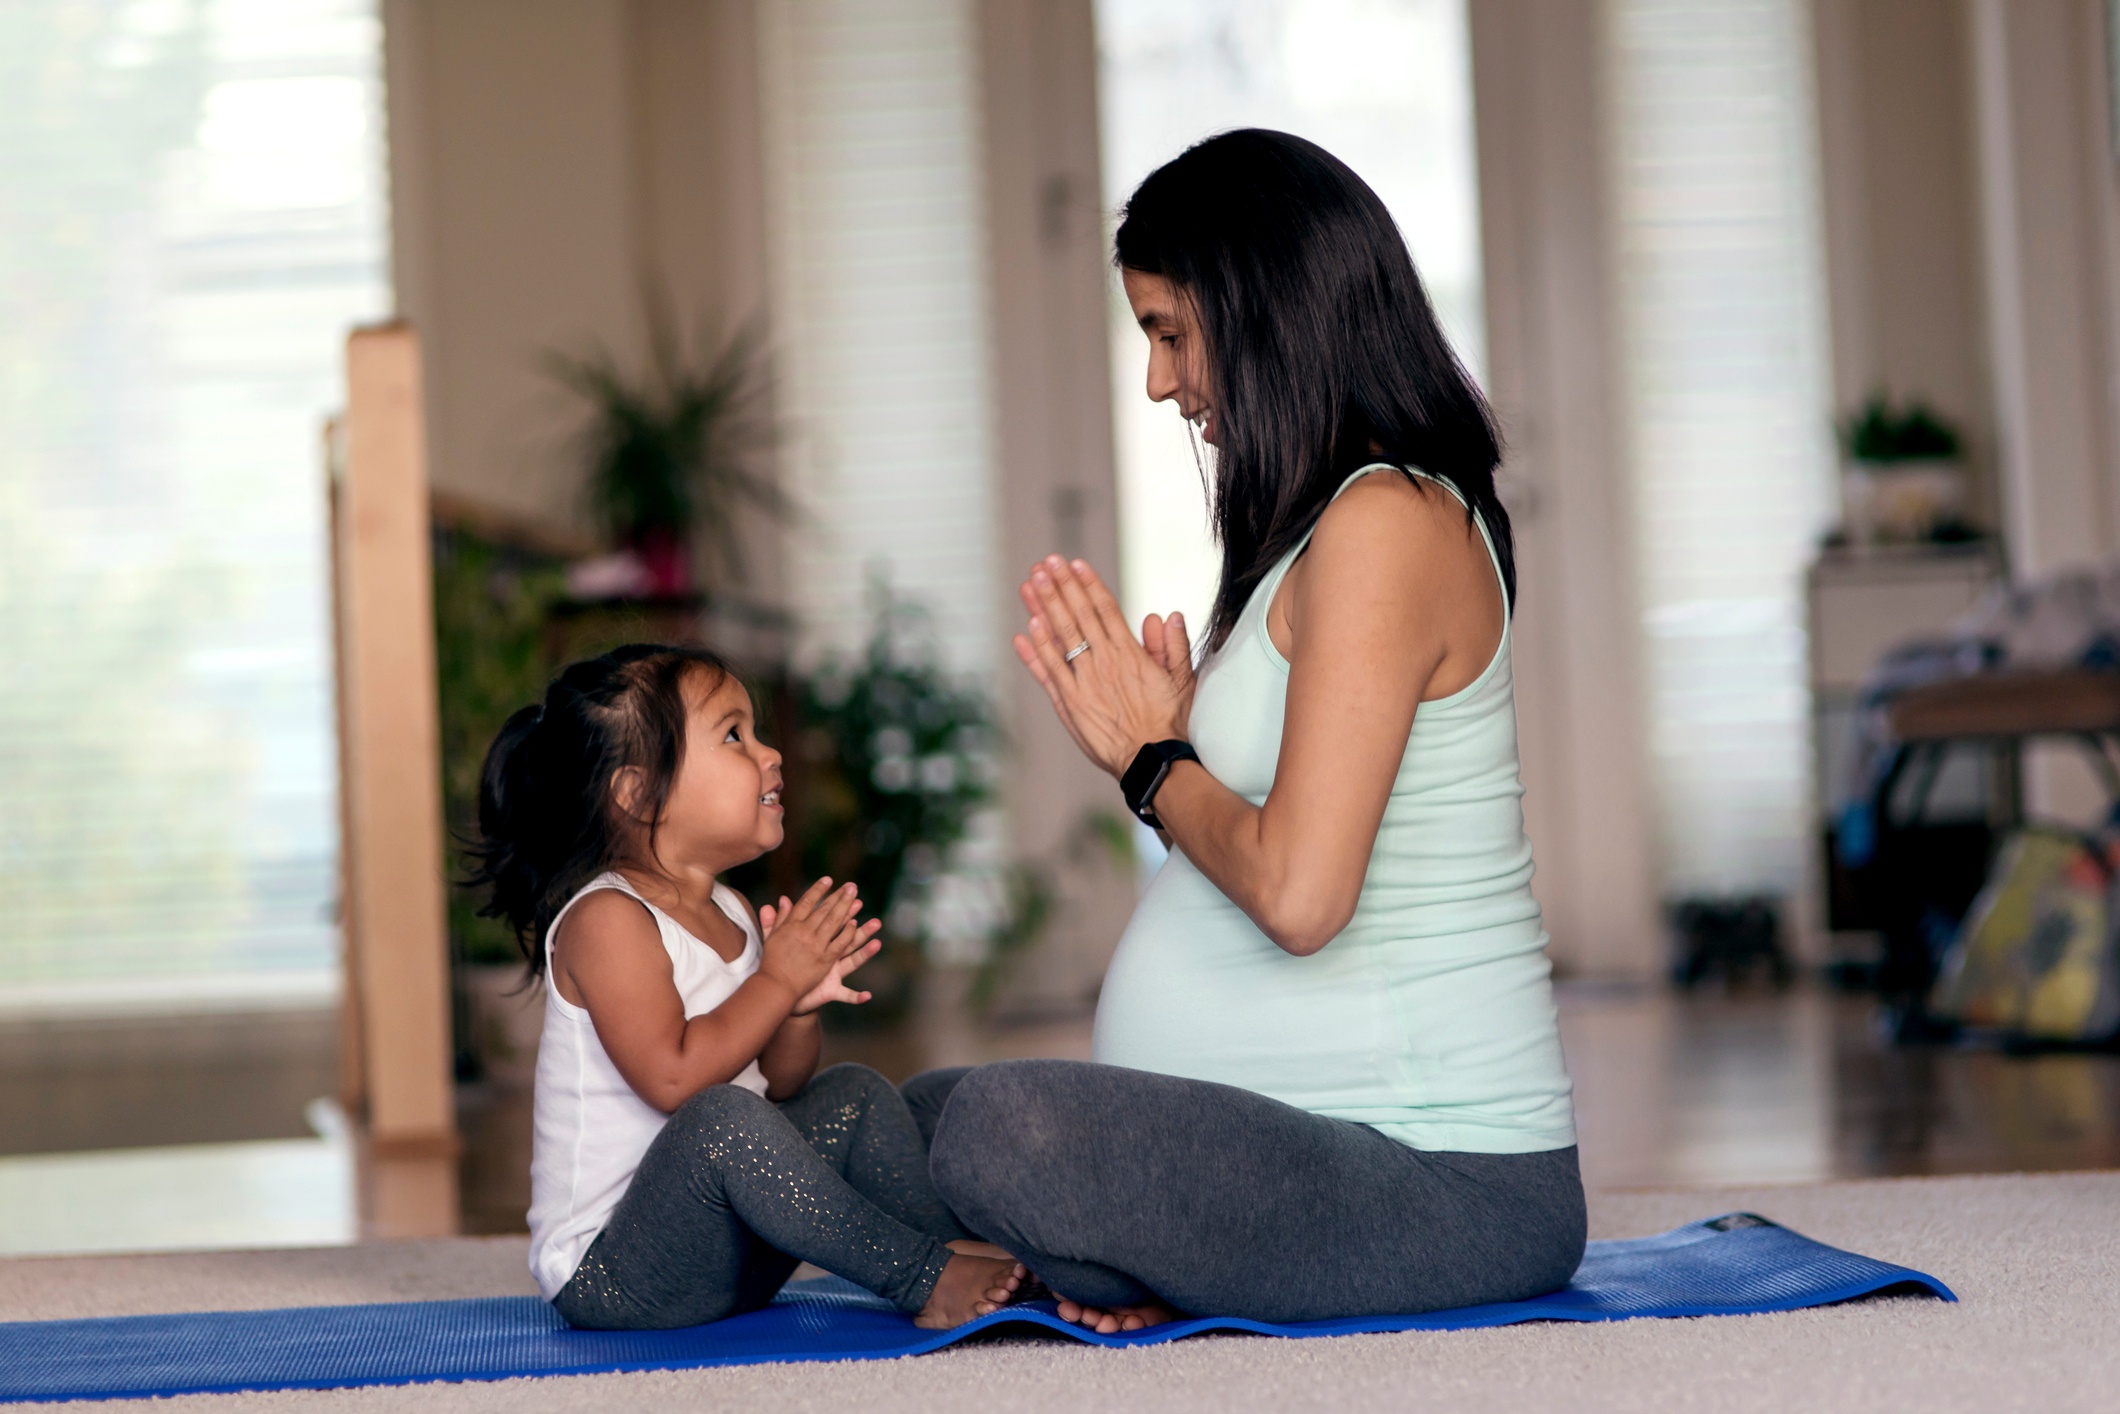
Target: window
[879, 258]
[192, 214]
[1384, 85]
[878, 248]
[1722, 324]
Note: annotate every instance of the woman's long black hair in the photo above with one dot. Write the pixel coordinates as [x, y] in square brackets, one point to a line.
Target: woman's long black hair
[546, 820]
[1319, 339]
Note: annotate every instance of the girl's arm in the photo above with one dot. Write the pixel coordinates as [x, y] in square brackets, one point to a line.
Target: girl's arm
[790, 1057]
[608, 959]
[1395, 602]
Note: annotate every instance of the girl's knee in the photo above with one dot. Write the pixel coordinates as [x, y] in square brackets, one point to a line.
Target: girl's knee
[849, 1080]
[720, 1107]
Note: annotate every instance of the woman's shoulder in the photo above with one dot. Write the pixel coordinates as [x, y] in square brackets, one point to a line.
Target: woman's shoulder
[1387, 513]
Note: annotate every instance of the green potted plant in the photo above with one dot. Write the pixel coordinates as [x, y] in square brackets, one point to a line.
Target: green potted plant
[892, 760]
[1903, 475]
[670, 457]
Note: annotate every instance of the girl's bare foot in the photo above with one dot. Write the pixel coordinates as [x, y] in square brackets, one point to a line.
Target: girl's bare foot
[1116, 1320]
[974, 1284]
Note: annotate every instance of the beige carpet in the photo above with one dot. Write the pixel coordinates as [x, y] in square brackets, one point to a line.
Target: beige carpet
[2035, 1259]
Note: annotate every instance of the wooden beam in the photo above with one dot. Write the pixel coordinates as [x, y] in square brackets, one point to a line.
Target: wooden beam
[390, 754]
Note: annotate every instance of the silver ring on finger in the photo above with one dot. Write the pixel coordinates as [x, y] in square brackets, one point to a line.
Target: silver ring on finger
[1077, 651]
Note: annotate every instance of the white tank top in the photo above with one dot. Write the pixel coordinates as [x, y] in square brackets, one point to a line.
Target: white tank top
[590, 1128]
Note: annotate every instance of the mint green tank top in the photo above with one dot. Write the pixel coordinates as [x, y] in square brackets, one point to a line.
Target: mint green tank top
[1431, 1015]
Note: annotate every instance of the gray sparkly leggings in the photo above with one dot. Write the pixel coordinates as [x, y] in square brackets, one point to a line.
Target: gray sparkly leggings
[736, 1189]
[1116, 1186]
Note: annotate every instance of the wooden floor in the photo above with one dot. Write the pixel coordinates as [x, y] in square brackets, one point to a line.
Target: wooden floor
[121, 1083]
[1670, 1090]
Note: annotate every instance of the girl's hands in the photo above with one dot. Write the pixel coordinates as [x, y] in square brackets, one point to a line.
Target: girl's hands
[834, 988]
[812, 944]
[1118, 695]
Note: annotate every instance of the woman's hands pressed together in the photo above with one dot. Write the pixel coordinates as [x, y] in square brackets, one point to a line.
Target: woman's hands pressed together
[1118, 694]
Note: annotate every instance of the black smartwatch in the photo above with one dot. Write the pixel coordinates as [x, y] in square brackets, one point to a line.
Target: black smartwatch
[1145, 777]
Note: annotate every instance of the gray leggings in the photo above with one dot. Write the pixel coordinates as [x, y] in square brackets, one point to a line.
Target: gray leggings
[735, 1189]
[1117, 1186]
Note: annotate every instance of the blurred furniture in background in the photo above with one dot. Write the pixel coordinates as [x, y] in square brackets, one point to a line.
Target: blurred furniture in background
[1730, 938]
[1861, 605]
[395, 1040]
[1999, 712]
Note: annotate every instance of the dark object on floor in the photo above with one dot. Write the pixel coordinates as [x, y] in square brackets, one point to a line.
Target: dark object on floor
[1738, 1264]
[1916, 885]
[1731, 937]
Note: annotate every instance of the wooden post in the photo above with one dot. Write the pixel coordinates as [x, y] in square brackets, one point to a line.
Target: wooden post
[397, 958]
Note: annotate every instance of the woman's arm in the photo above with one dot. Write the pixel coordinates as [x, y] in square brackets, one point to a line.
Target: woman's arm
[1391, 604]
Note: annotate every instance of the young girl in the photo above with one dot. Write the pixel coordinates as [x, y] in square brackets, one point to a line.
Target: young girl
[685, 1156]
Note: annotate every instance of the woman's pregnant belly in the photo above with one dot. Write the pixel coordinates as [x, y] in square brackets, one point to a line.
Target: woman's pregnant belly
[1197, 990]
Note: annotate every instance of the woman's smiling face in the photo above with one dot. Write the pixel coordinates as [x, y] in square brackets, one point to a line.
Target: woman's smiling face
[1177, 357]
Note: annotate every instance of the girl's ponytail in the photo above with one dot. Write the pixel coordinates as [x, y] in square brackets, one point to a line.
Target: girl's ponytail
[510, 861]
[546, 821]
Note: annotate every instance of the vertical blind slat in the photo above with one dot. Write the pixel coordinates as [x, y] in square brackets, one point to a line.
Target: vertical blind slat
[1723, 317]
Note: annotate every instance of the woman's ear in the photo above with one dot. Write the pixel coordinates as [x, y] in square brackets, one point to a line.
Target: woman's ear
[629, 785]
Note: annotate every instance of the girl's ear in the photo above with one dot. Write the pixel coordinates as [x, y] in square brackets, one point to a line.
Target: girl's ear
[628, 785]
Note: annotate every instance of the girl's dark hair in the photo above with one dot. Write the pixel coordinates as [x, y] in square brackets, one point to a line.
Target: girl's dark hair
[547, 823]
[1319, 339]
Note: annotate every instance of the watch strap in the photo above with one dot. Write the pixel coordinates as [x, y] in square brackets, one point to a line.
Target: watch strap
[1151, 766]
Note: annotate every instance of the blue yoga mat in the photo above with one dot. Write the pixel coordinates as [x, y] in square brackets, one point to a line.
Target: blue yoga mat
[1731, 1265]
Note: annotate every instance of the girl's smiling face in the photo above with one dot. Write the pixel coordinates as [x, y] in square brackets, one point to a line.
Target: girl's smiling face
[1177, 358]
[724, 805]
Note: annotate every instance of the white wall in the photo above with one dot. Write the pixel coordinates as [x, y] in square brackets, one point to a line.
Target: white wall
[512, 183]
[1058, 489]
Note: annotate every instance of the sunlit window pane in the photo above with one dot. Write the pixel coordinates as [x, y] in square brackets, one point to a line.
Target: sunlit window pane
[192, 213]
[1386, 86]
[1723, 336]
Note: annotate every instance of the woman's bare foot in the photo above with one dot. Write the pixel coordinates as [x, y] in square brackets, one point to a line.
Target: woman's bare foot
[1116, 1320]
[974, 1284]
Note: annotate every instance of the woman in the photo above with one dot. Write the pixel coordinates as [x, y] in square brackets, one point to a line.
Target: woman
[1327, 1077]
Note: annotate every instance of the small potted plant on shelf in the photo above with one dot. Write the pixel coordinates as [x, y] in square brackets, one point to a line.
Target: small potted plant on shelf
[1903, 476]
[670, 457]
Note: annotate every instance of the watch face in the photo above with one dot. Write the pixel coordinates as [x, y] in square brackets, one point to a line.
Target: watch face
[1145, 776]
[1139, 783]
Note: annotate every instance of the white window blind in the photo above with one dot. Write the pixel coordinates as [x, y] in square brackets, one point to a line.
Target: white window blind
[191, 215]
[877, 241]
[1384, 85]
[1723, 323]
[879, 276]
